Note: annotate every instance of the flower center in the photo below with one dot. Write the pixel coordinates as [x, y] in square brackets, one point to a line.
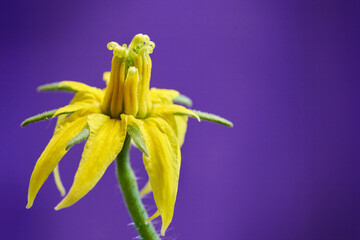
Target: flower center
[128, 89]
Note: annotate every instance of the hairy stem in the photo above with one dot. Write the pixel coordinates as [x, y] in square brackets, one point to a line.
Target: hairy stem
[131, 195]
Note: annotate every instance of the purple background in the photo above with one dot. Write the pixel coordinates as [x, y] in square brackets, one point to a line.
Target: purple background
[285, 72]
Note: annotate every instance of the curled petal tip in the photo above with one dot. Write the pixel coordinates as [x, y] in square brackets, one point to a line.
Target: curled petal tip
[63, 204]
[60, 206]
[30, 202]
[57, 208]
[196, 116]
[156, 214]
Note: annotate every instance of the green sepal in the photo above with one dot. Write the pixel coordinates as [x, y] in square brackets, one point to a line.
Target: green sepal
[135, 134]
[39, 117]
[55, 87]
[182, 99]
[84, 134]
[212, 118]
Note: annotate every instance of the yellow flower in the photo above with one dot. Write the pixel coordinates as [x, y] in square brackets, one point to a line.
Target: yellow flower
[105, 117]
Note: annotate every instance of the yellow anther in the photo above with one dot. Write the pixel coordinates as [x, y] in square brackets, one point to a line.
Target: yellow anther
[130, 96]
[131, 92]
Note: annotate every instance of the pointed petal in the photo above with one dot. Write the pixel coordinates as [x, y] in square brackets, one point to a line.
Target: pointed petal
[162, 166]
[146, 189]
[58, 181]
[178, 123]
[71, 86]
[104, 144]
[163, 163]
[60, 121]
[106, 77]
[78, 86]
[174, 109]
[162, 96]
[52, 154]
[168, 96]
[84, 108]
[181, 125]
[176, 117]
[88, 97]
[155, 215]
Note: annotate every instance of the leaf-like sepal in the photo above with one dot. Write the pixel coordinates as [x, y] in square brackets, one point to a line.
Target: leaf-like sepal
[184, 100]
[57, 86]
[84, 134]
[39, 117]
[135, 134]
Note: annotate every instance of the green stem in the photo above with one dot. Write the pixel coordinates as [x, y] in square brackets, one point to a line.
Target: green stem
[131, 194]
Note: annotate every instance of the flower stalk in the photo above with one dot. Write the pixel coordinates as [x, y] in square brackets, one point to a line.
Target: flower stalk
[129, 188]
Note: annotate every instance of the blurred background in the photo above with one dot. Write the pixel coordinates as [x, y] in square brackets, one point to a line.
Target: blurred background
[285, 72]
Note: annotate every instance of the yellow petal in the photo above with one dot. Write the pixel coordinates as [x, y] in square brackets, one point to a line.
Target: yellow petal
[53, 153]
[106, 77]
[146, 189]
[88, 97]
[104, 144]
[181, 125]
[162, 165]
[59, 122]
[162, 96]
[131, 91]
[81, 87]
[58, 181]
[82, 108]
[178, 123]
[155, 215]
[174, 109]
